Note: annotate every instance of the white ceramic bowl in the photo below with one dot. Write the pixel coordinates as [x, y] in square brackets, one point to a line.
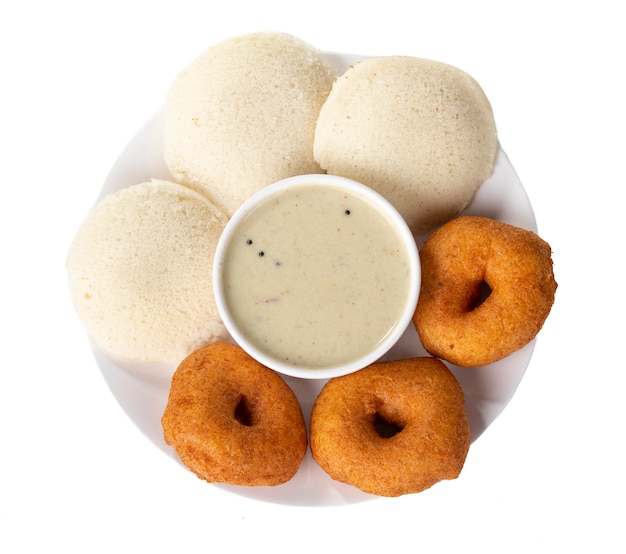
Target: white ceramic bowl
[232, 247]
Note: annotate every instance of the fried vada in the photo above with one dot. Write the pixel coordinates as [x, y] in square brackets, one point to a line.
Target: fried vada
[392, 428]
[487, 288]
[232, 420]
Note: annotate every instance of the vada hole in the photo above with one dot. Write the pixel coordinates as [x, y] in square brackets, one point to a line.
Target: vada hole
[482, 294]
[385, 428]
[243, 413]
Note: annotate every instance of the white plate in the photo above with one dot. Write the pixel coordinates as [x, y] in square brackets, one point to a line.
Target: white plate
[143, 394]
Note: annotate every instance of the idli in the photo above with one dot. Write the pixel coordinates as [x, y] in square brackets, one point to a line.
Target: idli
[243, 115]
[420, 132]
[140, 271]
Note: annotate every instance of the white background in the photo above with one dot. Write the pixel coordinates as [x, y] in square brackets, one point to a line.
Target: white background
[79, 78]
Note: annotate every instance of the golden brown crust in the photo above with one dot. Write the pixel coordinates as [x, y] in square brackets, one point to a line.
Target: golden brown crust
[456, 261]
[232, 420]
[419, 395]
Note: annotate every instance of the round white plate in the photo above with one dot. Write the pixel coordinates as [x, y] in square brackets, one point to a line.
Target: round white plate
[142, 392]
